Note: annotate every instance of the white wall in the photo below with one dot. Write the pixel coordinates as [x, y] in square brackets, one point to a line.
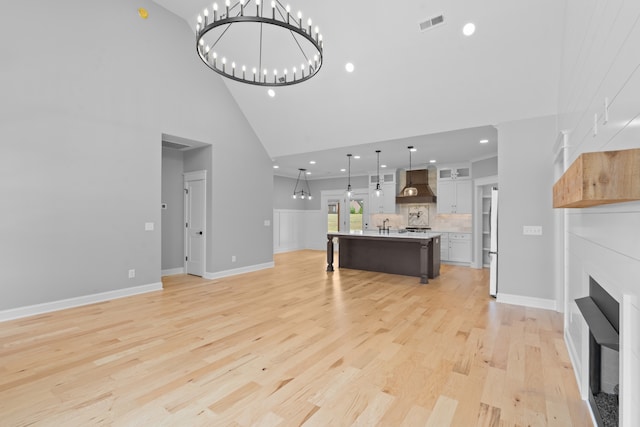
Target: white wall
[173, 216]
[87, 92]
[601, 60]
[294, 230]
[526, 263]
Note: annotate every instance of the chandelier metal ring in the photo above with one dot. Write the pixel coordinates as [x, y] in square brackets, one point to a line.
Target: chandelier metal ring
[259, 76]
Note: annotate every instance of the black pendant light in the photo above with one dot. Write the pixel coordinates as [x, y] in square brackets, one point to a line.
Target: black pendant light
[378, 191]
[301, 194]
[410, 190]
[349, 192]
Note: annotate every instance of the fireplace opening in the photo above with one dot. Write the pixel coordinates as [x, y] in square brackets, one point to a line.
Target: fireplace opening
[602, 314]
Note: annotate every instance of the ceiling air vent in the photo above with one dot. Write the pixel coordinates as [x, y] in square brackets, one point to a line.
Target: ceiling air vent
[431, 22]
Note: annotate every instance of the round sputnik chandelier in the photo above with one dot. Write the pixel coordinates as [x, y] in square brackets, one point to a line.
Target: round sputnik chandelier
[265, 46]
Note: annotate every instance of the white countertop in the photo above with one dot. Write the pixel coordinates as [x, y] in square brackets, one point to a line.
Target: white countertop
[393, 234]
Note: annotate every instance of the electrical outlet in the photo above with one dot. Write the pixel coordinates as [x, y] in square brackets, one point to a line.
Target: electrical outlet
[532, 230]
[233, 258]
[132, 273]
[267, 222]
[148, 226]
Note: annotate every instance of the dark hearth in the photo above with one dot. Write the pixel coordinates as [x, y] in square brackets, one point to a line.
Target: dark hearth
[608, 408]
[602, 314]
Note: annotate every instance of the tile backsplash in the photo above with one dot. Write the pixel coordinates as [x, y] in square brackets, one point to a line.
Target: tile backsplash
[428, 214]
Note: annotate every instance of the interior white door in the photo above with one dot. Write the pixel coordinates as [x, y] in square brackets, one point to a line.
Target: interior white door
[195, 236]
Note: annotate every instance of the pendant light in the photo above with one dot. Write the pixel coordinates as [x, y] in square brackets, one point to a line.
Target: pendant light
[349, 192]
[410, 190]
[378, 191]
[301, 193]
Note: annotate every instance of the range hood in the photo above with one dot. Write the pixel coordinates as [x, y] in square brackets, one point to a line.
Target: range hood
[420, 180]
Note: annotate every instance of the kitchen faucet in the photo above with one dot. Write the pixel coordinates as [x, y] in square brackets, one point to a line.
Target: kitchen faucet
[384, 227]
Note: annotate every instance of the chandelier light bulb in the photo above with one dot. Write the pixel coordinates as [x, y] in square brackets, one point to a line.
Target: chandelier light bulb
[265, 72]
[206, 49]
[275, 72]
[215, 55]
[201, 42]
[199, 19]
[227, 3]
[215, 6]
[224, 60]
[257, 2]
[288, 8]
[241, 2]
[299, 15]
[206, 12]
[273, 4]
[309, 22]
[244, 68]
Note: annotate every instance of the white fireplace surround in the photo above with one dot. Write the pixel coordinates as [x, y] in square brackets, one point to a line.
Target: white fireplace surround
[577, 338]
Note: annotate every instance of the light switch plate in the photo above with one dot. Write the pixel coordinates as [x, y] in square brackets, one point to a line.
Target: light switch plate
[532, 230]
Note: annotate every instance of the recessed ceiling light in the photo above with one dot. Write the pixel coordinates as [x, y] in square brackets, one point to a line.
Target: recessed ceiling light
[356, 157]
[469, 29]
[271, 93]
[343, 170]
[349, 67]
[484, 141]
[276, 167]
[312, 162]
[432, 161]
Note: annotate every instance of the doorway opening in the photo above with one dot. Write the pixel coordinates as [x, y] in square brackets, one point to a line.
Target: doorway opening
[181, 156]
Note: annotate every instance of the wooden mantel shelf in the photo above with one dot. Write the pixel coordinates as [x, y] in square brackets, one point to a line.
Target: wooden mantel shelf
[599, 178]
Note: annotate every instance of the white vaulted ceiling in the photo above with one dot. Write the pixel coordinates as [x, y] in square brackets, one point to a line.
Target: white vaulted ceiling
[406, 83]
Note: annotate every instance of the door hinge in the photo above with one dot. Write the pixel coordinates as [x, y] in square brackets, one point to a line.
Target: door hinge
[186, 258]
[186, 190]
[186, 225]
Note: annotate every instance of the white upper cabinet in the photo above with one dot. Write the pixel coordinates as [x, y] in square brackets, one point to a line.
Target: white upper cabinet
[454, 172]
[454, 189]
[387, 202]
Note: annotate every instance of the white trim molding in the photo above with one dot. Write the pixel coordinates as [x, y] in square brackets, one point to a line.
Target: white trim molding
[172, 271]
[235, 271]
[533, 302]
[47, 307]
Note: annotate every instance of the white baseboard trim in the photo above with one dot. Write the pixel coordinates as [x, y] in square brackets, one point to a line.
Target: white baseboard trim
[172, 271]
[47, 307]
[235, 271]
[532, 302]
[573, 356]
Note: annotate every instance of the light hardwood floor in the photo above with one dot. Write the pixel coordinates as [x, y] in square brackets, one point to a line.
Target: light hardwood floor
[291, 346]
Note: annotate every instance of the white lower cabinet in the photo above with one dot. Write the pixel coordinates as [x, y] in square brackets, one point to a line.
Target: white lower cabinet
[455, 247]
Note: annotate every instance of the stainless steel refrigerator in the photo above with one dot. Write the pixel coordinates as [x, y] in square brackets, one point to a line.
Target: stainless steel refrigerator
[493, 248]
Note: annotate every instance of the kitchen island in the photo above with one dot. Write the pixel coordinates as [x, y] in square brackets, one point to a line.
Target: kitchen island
[409, 254]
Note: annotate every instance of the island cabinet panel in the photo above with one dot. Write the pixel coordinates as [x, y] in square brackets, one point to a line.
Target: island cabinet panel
[599, 178]
[383, 256]
[419, 257]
